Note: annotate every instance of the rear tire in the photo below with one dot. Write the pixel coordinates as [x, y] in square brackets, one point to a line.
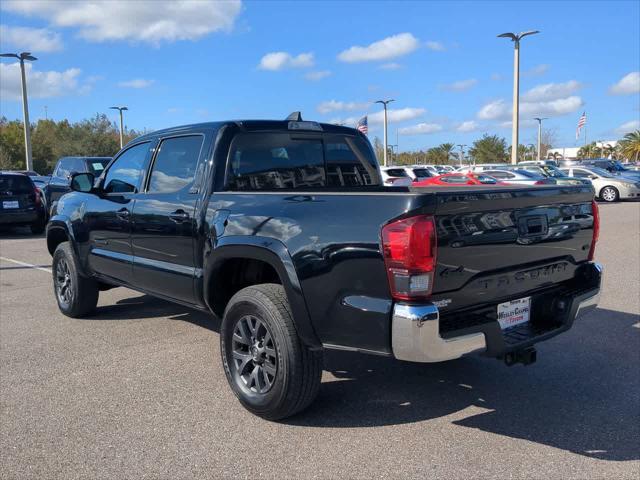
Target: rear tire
[610, 194]
[77, 296]
[270, 370]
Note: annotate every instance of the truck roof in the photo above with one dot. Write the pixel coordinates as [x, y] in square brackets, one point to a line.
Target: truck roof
[252, 125]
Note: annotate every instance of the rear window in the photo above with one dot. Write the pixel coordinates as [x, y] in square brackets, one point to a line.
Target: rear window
[16, 184]
[396, 172]
[274, 161]
[421, 172]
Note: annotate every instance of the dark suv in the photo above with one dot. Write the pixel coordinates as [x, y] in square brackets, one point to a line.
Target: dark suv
[20, 202]
[67, 166]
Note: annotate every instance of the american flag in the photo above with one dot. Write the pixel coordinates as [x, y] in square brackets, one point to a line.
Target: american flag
[363, 125]
[581, 123]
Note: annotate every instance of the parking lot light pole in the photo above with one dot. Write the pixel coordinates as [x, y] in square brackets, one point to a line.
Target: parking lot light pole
[25, 105]
[384, 104]
[539, 120]
[516, 88]
[120, 109]
[461, 153]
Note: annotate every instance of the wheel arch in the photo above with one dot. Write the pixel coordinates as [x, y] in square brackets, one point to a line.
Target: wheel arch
[269, 254]
[609, 186]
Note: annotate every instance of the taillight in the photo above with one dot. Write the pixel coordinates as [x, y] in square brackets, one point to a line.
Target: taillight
[37, 198]
[409, 249]
[596, 228]
[540, 182]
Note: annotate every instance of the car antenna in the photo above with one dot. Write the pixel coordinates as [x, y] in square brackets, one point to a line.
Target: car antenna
[294, 117]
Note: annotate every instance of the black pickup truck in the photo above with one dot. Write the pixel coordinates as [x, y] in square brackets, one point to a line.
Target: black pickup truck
[284, 230]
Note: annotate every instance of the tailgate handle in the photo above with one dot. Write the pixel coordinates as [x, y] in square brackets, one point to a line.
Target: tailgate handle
[533, 226]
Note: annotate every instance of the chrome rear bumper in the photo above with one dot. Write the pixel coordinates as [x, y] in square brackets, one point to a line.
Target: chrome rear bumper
[415, 336]
[415, 332]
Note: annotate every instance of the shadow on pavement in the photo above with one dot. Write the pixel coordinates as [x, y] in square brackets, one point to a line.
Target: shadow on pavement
[583, 394]
[17, 233]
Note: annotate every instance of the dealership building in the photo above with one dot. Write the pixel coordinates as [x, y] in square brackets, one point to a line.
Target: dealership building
[571, 153]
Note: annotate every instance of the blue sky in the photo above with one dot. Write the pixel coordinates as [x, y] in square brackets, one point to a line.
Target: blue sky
[173, 63]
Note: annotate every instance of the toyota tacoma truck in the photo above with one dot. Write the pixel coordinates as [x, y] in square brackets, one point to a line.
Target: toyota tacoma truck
[285, 231]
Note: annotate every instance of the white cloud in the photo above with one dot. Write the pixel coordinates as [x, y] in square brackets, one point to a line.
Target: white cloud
[460, 85]
[551, 91]
[435, 46]
[550, 99]
[34, 40]
[468, 126]
[627, 85]
[386, 49]
[40, 84]
[420, 129]
[337, 106]
[317, 76]
[377, 118]
[147, 21]
[390, 66]
[136, 83]
[537, 71]
[628, 127]
[278, 60]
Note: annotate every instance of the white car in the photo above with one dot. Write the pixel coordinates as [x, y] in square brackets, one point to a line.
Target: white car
[608, 187]
[395, 177]
[418, 173]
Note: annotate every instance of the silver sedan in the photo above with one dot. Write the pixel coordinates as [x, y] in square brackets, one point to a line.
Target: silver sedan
[608, 187]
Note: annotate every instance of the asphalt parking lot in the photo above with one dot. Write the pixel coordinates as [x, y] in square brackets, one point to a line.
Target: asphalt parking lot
[137, 391]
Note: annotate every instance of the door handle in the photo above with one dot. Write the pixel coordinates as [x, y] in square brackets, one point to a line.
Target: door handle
[179, 216]
[123, 214]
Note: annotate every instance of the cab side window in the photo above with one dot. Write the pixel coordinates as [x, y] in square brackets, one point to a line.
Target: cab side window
[63, 170]
[125, 173]
[581, 173]
[175, 165]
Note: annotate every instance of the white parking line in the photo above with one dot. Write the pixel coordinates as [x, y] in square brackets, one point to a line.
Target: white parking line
[36, 267]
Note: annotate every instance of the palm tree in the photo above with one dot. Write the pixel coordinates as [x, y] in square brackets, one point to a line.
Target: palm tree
[588, 151]
[630, 145]
[608, 151]
[447, 149]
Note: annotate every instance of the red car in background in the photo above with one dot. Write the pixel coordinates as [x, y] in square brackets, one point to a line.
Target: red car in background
[451, 179]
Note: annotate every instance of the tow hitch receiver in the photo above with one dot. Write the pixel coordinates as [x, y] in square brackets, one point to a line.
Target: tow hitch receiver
[526, 356]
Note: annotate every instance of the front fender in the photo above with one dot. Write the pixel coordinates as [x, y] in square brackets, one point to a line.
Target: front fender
[275, 253]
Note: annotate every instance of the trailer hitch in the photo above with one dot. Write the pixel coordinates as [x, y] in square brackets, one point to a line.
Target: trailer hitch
[526, 356]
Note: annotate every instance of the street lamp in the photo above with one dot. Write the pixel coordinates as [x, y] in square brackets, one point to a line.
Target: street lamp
[461, 153]
[120, 109]
[384, 104]
[515, 38]
[25, 107]
[539, 120]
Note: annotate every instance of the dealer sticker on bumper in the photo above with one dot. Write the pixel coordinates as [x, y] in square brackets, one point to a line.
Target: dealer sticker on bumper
[514, 312]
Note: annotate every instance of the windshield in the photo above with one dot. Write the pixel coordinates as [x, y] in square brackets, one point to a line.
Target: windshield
[618, 167]
[552, 171]
[601, 172]
[97, 165]
[528, 174]
[486, 179]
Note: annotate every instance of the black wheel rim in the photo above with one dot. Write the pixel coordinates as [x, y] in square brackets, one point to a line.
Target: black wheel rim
[254, 356]
[63, 282]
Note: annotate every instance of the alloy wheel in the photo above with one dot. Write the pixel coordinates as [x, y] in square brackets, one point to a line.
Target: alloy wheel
[63, 282]
[254, 354]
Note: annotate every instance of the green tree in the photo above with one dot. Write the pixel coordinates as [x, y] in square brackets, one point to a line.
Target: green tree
[630, 146]
[489, 149]
[447, 149]
[590, 150]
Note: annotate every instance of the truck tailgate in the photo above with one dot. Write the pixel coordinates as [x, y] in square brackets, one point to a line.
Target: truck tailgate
[497, 244]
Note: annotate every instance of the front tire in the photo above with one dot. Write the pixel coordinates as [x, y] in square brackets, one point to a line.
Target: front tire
[609, 194]
[77, 296]
[273, 374]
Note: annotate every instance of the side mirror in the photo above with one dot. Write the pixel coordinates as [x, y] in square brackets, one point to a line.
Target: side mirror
[82, 182]
[593, 177]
